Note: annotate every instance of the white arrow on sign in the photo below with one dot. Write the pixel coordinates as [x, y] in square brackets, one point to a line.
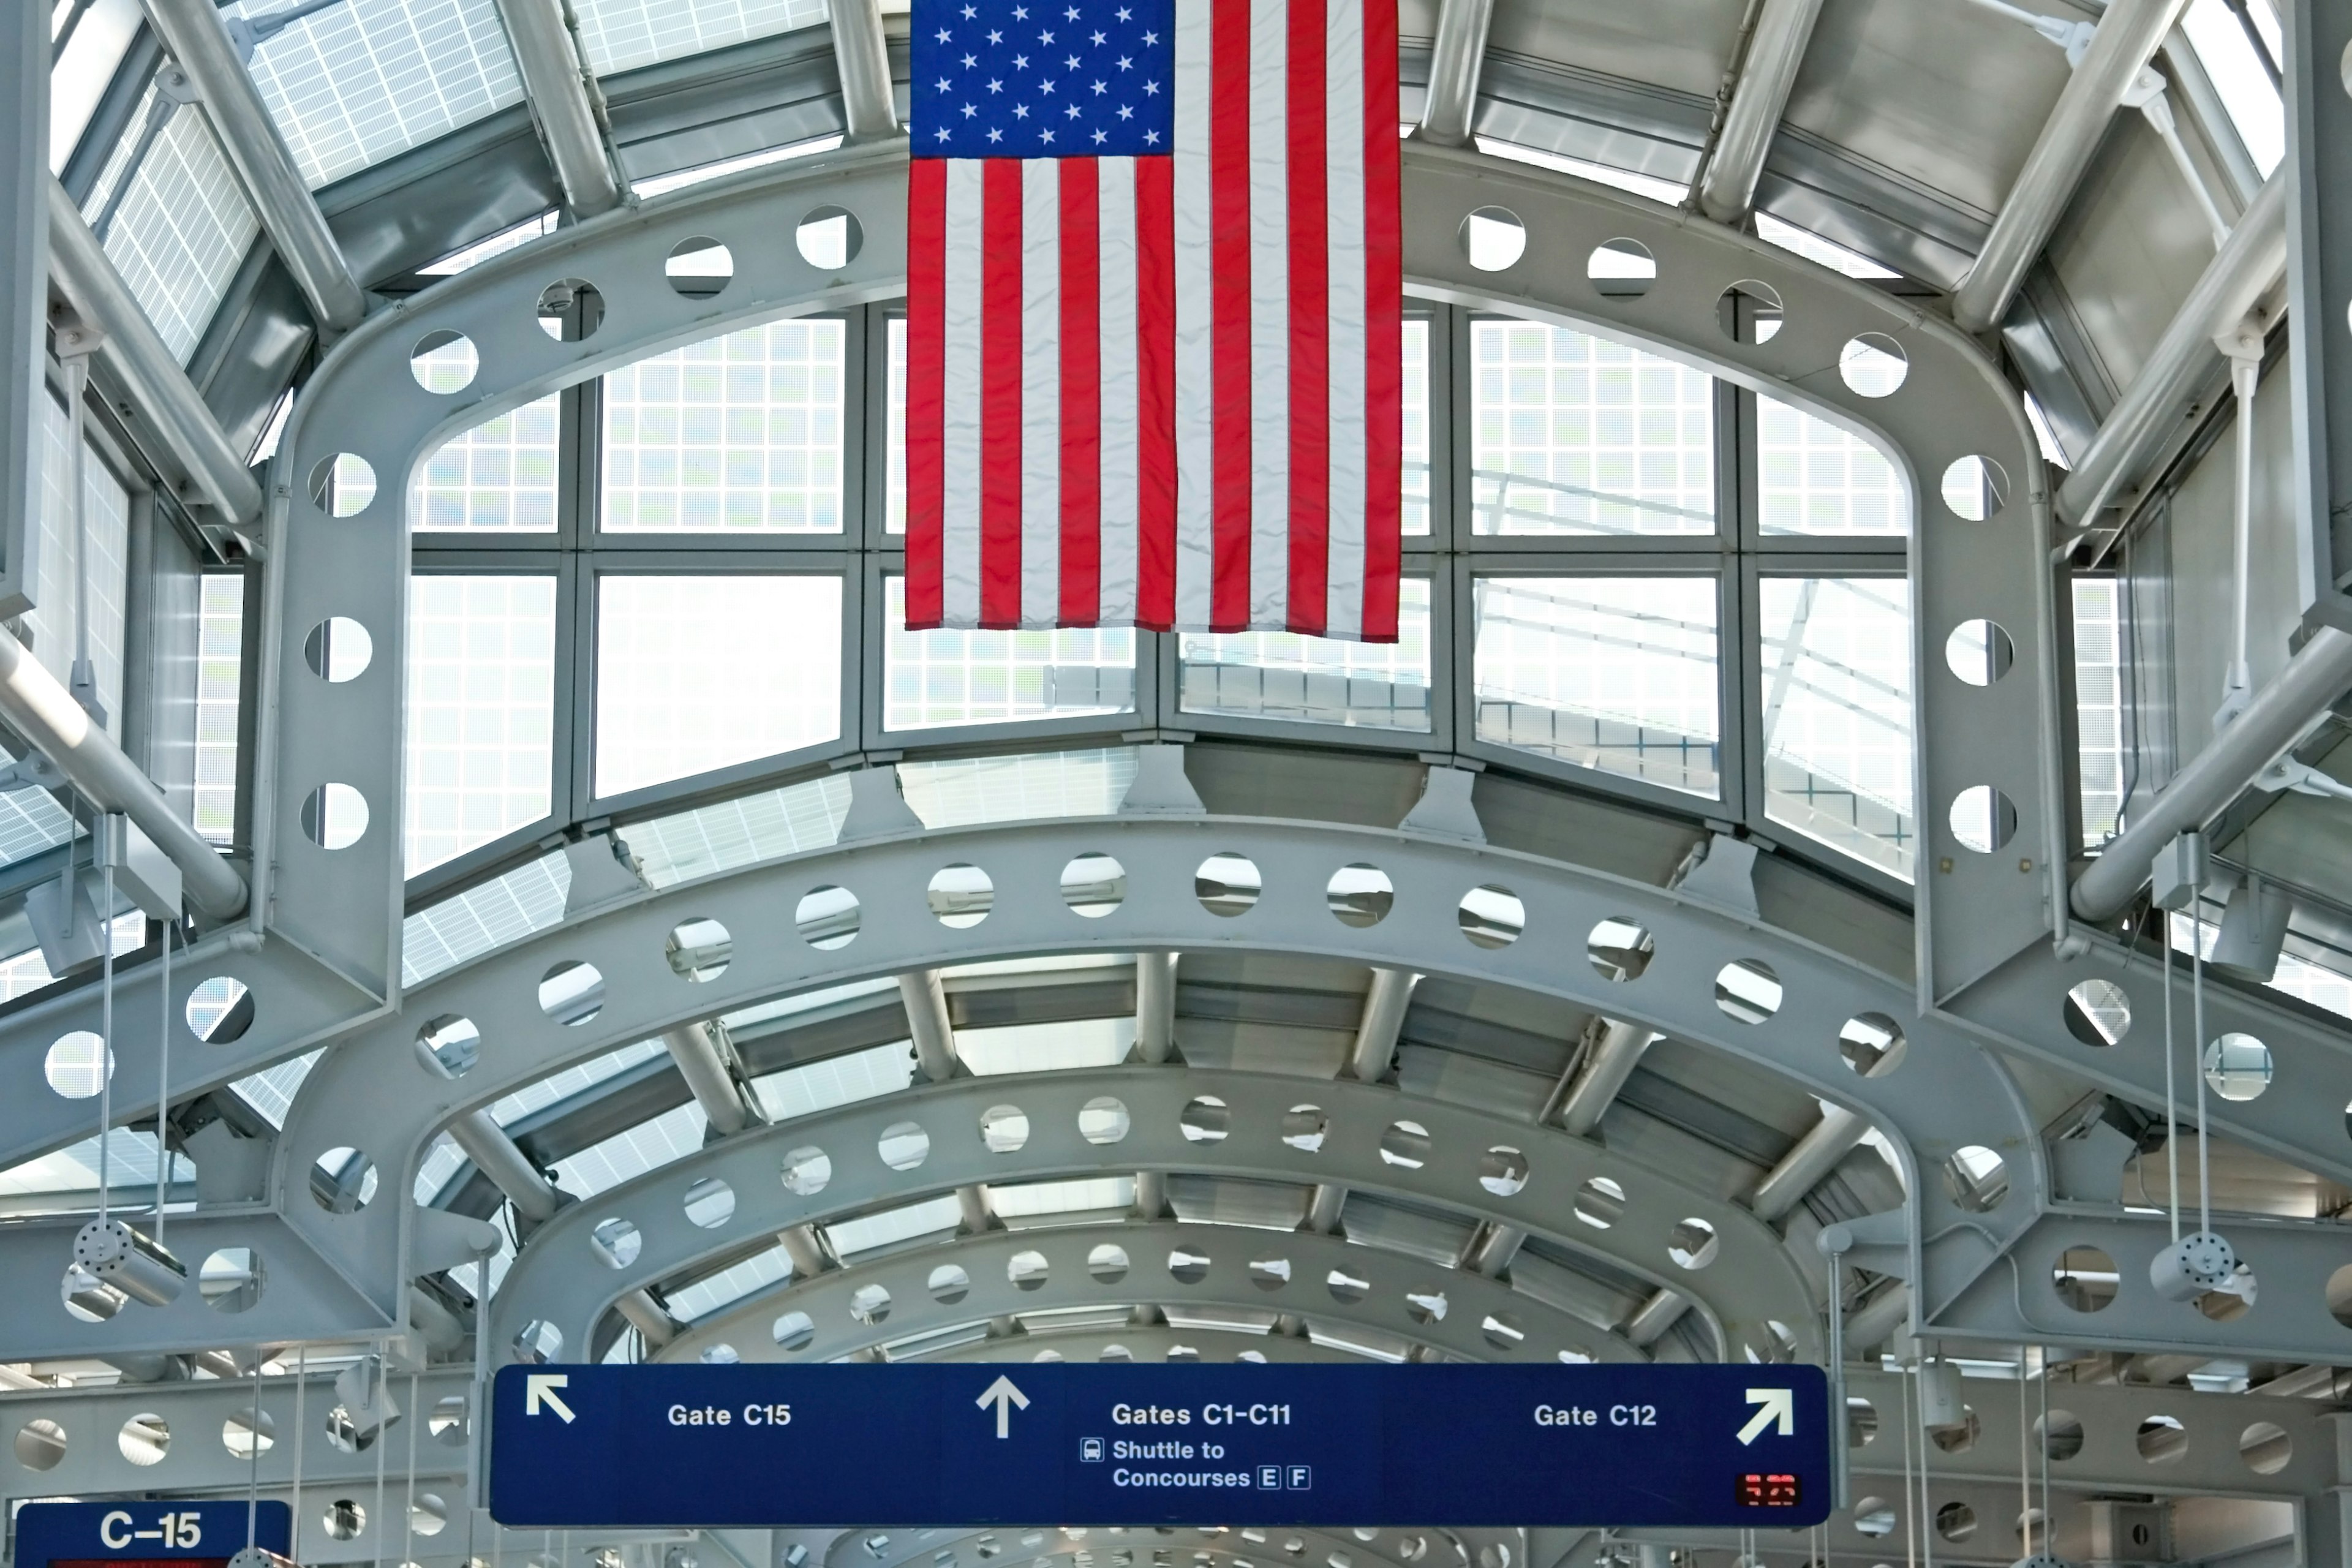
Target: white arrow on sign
[539, 1388]
[1005, 1396]
[1778, 1404]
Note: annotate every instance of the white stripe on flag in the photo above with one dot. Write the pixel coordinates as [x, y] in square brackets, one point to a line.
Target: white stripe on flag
[1041, 391]
[1269, 219]
[1196, 358]
[960, 395]
[1344, 157]
[1120, 335]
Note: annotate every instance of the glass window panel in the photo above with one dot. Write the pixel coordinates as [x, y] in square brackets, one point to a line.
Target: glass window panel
[69, 1172]
[1281, 675]
[1837, 713]
[482, 250]
[220, 674]
[182, 227]
[1415, 450]
[354, 82]
[696, 673]
[1813, 478]
[739, 832]
[1672, 192]
[622, 34]
[481, 711]
[942, 678]
[1614, 673]
[2099, 721]
[654, 185]
[818, 1086]
[270, 1091]
[48, 627]
[691, 1303]
[1064, 1047]
[2247, 95]
[1083, 1195]
[1574, 433]
[740, 434]
[627, 1155]
[497, 478]
[932, 1217]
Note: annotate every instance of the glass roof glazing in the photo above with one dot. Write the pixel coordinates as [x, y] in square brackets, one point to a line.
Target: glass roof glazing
[620, 35]
[351, 82]
[178, 225]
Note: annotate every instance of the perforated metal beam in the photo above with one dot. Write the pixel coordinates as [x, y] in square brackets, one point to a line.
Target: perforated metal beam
[1195, 1269]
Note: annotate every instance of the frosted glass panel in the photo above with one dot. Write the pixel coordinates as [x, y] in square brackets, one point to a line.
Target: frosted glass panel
[481, 710]
[1281, 675]
[1837, 713]
[982, 678]
[1813, 478]
[497, 478]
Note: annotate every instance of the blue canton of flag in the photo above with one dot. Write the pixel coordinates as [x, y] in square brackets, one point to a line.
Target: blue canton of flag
[1043, 79]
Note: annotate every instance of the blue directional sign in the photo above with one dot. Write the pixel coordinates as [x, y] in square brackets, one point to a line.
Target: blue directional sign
[117, 1534]
[586, 1447]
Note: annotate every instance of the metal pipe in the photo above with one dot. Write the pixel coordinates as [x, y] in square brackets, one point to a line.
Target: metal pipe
[193, 31]
[163, 398]
[1492, 1251]
[1774, 52]
[695, 1048]
[926, 1001]
[1879, 1317]
[1801, 1170]
[2249, 264]
[1612, 1061]
[46, 714]
[1458, 53]
[1383, 1019]
[501, 1159]
[2273, 718]
[1155, 1006]
[1151, 1193]
[1323, 1206]
[862, 55]
[806, 1251]
[556, 82]
[648, 1317]
[973, 1216]
[2126, 39]
[1650, 1320]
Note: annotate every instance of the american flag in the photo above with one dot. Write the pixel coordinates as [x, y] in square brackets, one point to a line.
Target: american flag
[1154, 314]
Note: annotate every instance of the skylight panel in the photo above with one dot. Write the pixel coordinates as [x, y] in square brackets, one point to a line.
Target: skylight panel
[838, 1080]
[353, 83]
[272, 1090]
[2240, 75]
[866, 1232]
[627, 1155]
[1037, 1200]
[1064, 1046]
[969, 791]
[694, 1302]
[491, 914]
[620, 35]
[740, 832]
[181, 230]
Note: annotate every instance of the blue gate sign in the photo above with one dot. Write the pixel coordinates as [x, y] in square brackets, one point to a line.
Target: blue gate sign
[766, 1447]
[184, 1534]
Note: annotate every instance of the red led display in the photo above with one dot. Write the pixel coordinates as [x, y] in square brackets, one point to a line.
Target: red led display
[1764, 1490]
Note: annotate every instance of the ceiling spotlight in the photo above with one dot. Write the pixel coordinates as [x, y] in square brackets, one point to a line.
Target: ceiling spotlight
[2193, 1266]
[2253, 930]
[132, 1262]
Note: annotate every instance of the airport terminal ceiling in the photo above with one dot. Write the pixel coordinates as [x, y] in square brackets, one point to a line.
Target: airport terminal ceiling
[1846, 863]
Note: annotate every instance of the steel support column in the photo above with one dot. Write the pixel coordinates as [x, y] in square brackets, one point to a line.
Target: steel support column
[2129, 34]
[1385, 1001]
[927, 1017]
[2317, 172]
[24, 184]
[1775, 50]
[695, 1048]
[193, 31]
[1801, 1169]
[1615, 1055]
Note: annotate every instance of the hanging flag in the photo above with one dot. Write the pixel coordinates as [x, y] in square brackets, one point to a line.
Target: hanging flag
[1154, 316]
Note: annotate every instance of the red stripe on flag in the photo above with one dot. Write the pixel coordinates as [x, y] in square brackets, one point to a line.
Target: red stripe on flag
[999, 394]
[1155, 393]
[1082, 349]
[1383, 327]
[1307, 108]
[1229, 259]
[927, 216]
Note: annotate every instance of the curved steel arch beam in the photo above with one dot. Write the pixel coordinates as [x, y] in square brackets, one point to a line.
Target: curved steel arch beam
[951, 1548]
[374, 1092]
[343, 907]
[562, 1278]
[1152, 1343]
[1397, 1297]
